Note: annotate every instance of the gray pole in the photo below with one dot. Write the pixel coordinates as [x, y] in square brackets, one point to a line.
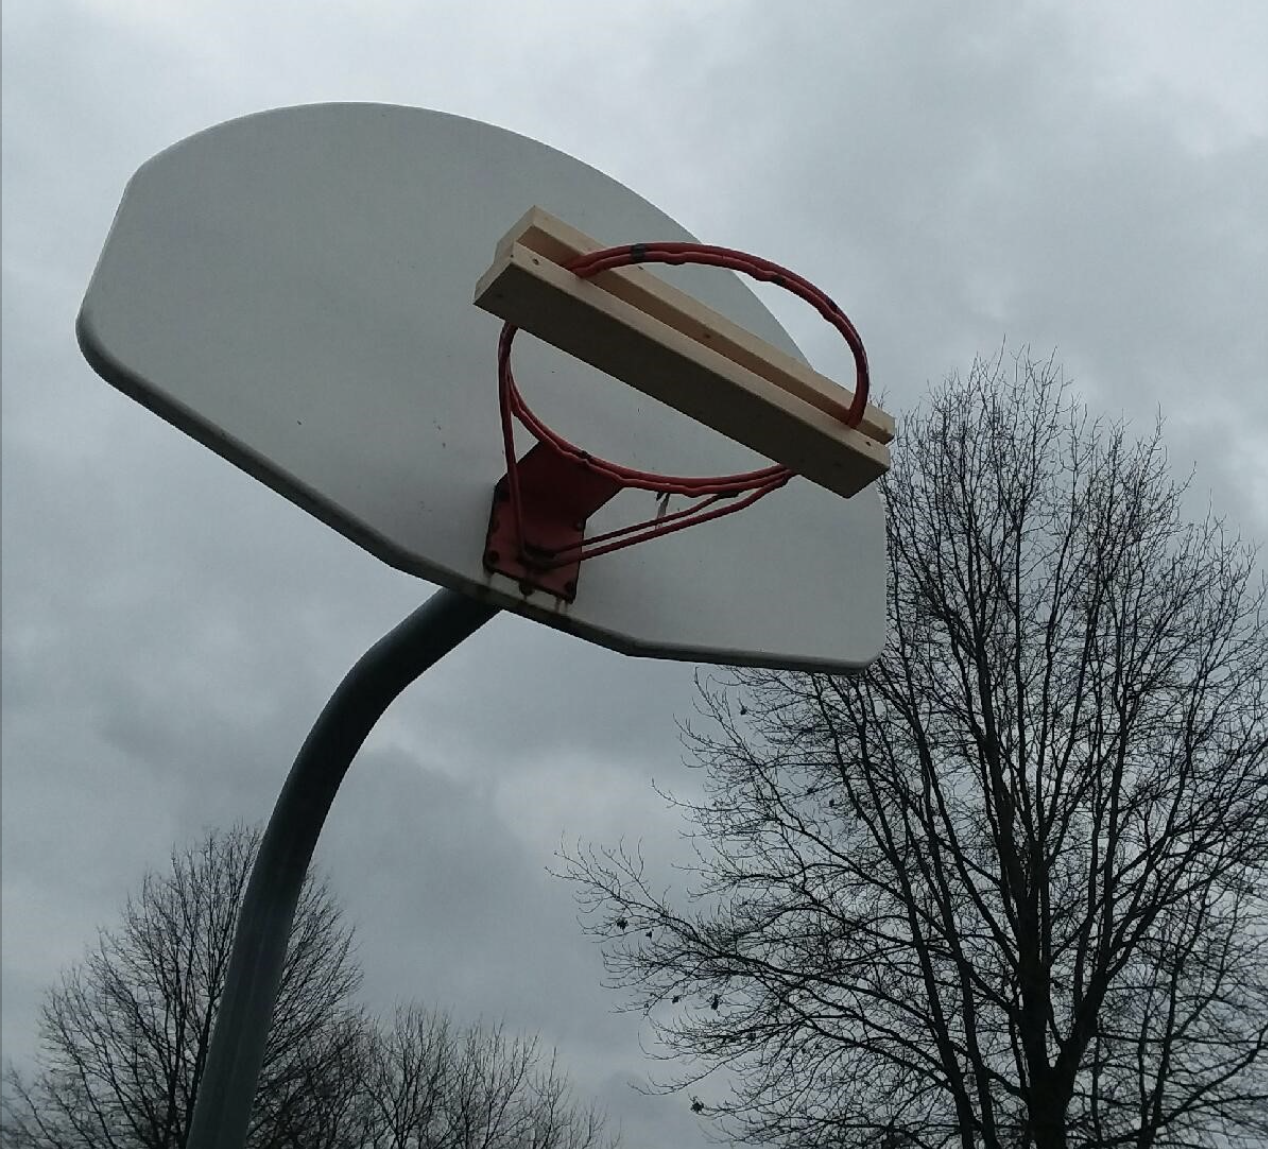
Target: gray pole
[222, 1112]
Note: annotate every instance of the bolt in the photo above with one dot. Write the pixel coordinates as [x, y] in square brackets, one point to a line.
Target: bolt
[570, 587]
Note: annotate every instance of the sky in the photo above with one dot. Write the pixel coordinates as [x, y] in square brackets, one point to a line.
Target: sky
[1087, 180]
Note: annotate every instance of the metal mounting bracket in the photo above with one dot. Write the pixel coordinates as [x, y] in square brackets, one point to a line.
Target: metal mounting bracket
[557, 496]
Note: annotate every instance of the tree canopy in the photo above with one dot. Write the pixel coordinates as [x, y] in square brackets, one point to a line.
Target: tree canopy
[124, 1037]
[1008, 887]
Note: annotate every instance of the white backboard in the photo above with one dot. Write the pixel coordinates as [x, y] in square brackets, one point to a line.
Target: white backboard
[294, 290]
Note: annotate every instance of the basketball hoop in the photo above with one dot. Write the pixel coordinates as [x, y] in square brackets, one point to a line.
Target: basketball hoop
[541, 505]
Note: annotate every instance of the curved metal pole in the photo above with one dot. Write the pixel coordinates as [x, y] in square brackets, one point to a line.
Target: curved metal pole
[222, 1112]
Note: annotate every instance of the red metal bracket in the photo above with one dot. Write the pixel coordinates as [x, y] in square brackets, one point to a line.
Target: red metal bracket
[557, 496]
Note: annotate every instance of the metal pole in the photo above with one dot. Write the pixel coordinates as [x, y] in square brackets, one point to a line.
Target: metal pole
[222, 1112]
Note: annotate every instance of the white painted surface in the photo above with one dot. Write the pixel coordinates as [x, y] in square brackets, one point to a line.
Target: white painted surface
[294, 290]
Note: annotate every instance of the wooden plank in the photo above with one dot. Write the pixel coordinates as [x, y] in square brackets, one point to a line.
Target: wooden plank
[594, 325]
[543, 233]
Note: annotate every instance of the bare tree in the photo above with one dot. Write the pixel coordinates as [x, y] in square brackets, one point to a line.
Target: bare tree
[431, 1086]
[125, 1034]
[124, 1038]
[1010, 886]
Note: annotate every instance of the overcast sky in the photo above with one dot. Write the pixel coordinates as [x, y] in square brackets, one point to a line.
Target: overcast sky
[1080, 177]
